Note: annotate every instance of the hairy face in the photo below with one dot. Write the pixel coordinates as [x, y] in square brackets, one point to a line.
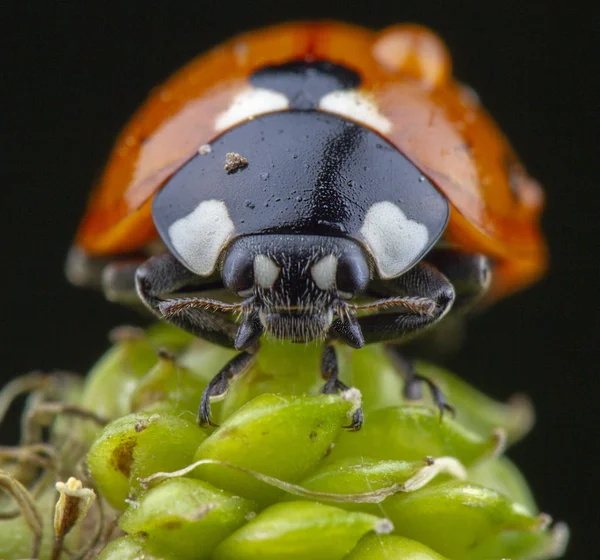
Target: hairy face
[296, 285]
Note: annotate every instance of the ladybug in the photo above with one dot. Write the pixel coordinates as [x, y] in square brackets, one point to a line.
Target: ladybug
[332, 182]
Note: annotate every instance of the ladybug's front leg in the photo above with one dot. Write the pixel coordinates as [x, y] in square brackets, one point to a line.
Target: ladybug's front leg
[330, 372]
[164, 275]
[423, 284]
[219, 385]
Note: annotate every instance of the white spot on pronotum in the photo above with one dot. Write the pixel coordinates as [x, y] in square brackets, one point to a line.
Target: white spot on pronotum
[200, 236]
[355, 106]
[395, 241]
[265, 271]
[204, 149]
[324, 272]
[250, 103]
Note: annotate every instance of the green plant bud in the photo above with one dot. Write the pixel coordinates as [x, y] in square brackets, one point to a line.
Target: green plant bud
[205, 359]
[185, 519]
[524, 545]
[136, 446]
[113, 379]
[165, 335]
[371, 370]
[456, 517]
[283, 368]
[356, 482]
[191, 493]
[409, 433]
[477, 411]
[168, 386]
[127, 548]
[299, 530]
[276, 435]
[502, 475]
[391, 547]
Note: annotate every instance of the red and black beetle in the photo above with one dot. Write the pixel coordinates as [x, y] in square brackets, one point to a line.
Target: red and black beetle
[336, 181]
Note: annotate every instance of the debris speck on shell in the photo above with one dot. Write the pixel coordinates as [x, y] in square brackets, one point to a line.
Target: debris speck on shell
[234, 161]
[204, 149]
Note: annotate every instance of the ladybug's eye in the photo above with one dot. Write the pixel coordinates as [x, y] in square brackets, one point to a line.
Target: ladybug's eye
[238, 271]
[352, 274]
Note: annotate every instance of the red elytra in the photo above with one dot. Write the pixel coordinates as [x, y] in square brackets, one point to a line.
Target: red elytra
[406, 69]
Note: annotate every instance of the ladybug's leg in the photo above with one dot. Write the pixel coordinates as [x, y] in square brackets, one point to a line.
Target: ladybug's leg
[448, 279]
[413, 382]
[84, 270]
[330, 372]
[163, 275]
[118, 282]
[424, 285]
[470, 274]
[464, 280]
[219, 385]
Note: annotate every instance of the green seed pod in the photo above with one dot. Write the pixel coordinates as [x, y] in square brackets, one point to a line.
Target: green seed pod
[136, 446]
[391, 547]
[334, 487]
[280, 436]
[127, 548]
[356, 482]
[524, 545]
[164, 335]
[371, 370]
[299, 530]
[185, 519]
[279, 368]
[113, 379]
[477, 411]
[502, 475]
[409, 433]
[456, 517]
[168, 387]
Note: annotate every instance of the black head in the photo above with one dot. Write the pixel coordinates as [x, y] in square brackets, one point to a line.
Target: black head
[295, 285]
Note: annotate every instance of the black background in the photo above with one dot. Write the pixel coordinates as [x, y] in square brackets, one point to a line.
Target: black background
[74, 75]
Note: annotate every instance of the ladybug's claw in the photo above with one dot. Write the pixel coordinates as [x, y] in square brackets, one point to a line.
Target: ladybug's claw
[414, 382]
[357, 421]
[439, 399]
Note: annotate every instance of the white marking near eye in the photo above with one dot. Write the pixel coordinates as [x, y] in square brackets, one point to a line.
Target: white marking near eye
[324, 272]
[355, 106]
[250, 103]
[265, 271]
[395, 241]
[200, 236]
